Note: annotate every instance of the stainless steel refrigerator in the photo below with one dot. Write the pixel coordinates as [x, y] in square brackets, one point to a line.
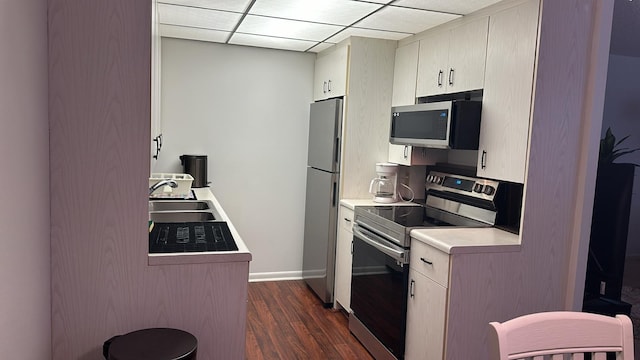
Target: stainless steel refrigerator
[321, 207]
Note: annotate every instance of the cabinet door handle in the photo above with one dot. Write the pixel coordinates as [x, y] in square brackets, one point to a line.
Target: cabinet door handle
[324, 87]
[426, 261]
[347, 220]
[158, 141]
[440, 73]
[329, 86]
[406, 152]
[351, 247]
[483, 160]
[411, 288]
[451, 76]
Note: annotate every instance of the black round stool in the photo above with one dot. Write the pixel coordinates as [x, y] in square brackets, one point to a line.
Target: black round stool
[152, 344]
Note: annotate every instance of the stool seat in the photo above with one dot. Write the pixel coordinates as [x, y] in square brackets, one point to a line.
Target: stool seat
[154, 344]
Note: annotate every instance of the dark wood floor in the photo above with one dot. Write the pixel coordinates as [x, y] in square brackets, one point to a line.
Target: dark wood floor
[285, 320]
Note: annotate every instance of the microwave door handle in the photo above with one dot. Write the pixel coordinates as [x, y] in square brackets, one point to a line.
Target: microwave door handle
[370, 239]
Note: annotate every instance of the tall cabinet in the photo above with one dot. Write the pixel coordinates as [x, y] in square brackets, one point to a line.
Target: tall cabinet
[368, 79]
[156, 123]
[508, 89]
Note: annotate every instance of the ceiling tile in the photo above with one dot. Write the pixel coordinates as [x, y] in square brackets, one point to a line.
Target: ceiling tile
[270, 42]
[339, 12]
[194, 17]
[353, 31]
[226, 5]
[291, 29]
[412, 21]
[462, 7]
[182, 32]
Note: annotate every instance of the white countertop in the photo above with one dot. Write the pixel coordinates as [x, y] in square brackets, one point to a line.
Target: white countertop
[468, 240]
[242, 254]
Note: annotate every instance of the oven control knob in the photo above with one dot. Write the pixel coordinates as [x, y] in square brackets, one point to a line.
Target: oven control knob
[430, 178]
[478, 188]
[437, 179]
[489, 190]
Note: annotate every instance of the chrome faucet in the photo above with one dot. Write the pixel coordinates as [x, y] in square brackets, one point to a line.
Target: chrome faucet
[172, 183]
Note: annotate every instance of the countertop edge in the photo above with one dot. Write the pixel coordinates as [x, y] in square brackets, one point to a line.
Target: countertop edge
[241, 255]
[458, 241]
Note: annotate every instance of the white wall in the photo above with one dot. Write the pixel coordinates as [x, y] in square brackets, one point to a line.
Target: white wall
[247, 109]
[25, 315]
[622, 114]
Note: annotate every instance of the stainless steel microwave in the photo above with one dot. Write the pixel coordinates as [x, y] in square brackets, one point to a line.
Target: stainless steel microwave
[451, 124]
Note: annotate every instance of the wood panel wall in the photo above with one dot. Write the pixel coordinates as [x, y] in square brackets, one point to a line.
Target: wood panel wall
[25, 309]
[99, 108]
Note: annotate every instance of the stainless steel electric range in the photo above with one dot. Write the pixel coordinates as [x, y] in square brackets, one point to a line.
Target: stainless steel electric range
[381, 246]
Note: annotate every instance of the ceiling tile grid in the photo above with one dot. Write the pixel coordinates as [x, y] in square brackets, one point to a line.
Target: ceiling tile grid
[305, 25]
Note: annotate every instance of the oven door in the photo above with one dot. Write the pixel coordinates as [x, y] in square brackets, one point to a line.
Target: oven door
[379, 284]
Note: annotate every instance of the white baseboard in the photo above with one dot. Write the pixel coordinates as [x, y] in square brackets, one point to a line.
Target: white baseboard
[275, 276]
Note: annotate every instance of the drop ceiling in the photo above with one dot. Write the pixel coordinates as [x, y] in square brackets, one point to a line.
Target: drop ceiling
[305, 25]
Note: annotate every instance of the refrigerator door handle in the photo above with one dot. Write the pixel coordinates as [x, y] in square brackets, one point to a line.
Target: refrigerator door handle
[334, 194]
[337, 150]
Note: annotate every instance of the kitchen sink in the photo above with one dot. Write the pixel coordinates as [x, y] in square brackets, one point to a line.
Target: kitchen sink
[172, 205]
[181, 216]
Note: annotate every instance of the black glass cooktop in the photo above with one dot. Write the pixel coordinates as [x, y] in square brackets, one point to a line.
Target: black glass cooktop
[191, 237]
[405, 215]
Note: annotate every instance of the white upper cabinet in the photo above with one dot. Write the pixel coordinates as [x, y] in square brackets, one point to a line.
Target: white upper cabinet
[508, 87]
[467, 55]
[453, 60]
[405, 73]
[330, 78]
[432, 64]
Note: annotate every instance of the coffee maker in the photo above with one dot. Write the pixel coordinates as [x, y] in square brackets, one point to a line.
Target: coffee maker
[384, 187]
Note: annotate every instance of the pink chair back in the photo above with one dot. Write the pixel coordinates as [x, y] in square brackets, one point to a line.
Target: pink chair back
[565, 334]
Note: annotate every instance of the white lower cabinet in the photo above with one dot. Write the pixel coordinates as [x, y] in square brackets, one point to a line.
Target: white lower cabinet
[426, 310]
[343, 259]
[426, 302]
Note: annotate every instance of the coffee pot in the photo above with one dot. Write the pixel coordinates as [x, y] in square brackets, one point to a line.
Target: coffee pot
[384, 186]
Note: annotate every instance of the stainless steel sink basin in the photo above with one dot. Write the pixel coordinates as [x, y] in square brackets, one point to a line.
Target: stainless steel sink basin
[181, 216]
[173, 205]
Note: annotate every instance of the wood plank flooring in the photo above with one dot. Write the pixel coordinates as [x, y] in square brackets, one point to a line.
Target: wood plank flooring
[285, 320]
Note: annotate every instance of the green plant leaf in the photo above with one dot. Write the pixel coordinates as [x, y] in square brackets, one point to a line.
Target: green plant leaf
[609, 148]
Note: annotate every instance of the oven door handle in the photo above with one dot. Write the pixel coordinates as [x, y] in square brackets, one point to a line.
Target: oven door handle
[373, 240]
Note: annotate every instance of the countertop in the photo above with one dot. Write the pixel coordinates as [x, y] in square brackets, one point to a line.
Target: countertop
[468, 240]
[242, 254]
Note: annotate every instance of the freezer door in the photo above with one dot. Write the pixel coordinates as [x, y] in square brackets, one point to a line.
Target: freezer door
[325, 123]
[320, 226]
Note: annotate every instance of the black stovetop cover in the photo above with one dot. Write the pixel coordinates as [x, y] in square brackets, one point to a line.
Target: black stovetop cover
[191, 237]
